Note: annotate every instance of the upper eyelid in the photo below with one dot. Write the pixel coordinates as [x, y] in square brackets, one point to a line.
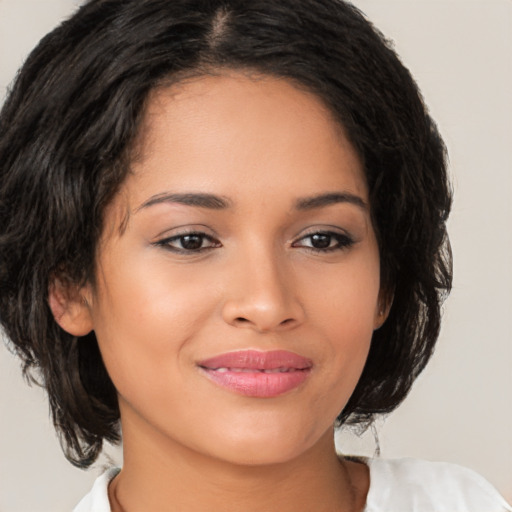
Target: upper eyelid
[211, 234]
[208, 233]
[188, 233]
[333, 234]
[331, 230]
[195, 229]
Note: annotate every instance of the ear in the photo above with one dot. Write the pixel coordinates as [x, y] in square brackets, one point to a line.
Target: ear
[70, 306]
[383, 307]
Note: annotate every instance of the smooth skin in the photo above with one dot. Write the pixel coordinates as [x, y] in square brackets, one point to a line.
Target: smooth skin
[244, 224]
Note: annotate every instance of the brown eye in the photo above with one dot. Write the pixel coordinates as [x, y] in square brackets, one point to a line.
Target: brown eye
[321, 241]
[189, 243]
[325, 241]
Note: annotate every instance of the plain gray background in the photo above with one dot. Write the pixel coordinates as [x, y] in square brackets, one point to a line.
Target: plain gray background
[460, 52]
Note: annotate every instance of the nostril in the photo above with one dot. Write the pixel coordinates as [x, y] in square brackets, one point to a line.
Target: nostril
[241, 319]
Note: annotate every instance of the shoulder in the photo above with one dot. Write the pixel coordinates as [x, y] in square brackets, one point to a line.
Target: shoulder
[412, 485]
[97, 499]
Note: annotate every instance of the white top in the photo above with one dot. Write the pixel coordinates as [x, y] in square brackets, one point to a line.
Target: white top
[400, 485]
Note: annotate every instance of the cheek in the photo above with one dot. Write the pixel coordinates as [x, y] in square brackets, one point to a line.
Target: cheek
[344, 299]
[347, 341]
[143, 292]
[343, 310]
[144, 317]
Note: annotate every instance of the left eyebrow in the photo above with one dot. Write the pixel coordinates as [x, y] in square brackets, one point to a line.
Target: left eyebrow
[200, 200]
[322, 200]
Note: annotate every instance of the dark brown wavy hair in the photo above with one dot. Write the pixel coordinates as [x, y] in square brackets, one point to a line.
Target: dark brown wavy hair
[70, 121]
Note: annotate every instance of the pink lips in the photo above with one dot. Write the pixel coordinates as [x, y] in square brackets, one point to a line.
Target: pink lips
[258, 374]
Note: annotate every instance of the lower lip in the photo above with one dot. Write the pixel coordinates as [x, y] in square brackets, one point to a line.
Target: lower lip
[258, 384]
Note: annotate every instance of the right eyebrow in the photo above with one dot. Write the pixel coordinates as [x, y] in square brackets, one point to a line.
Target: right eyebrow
[200, 200]
[322, 200]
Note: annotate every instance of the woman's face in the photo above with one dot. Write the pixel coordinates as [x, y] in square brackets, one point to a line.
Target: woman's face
[238, 276]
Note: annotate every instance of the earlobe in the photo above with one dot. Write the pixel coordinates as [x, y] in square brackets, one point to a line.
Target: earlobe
[70, 307]
[380, 318]
[382, 312]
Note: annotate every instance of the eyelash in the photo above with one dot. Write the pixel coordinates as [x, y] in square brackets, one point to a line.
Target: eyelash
[343, 242]
[166, 243]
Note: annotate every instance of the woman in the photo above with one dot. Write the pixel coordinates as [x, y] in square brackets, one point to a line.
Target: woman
[223, 231]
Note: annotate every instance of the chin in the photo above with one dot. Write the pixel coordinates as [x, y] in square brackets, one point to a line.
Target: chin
[253, 456]
[268, 445]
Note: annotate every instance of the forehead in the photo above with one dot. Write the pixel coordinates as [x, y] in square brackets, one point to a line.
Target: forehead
[233, 133]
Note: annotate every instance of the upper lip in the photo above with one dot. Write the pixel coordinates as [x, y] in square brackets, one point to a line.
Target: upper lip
[257, 360]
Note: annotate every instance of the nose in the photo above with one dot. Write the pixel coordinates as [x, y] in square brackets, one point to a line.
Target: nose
[262, 295]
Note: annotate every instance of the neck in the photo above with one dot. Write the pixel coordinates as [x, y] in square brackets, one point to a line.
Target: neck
[159, 474]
